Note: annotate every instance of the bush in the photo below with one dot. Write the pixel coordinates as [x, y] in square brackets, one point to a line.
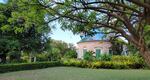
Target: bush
[54, 55]
[105, 57]
[117, 62]
[71, 54]
[121, 65]
[42, 57]
[27, 66]
[101, 64]
[25, 58]
[122, 58]
[14, 57]
[71, 62]
[137, 61]
[88, 56]
[96, 64]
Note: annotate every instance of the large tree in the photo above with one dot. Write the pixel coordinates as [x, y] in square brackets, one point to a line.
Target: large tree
[127, 18]
[22, 27]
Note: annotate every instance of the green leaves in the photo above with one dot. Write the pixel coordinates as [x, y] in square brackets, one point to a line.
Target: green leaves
[147, 35]
[92, 16]
[5, 28]
[2, 18]
[22, 26]
[18, 29]
[147, 29]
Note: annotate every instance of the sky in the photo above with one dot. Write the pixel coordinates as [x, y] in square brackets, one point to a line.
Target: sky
[66, 36]
[2, 1]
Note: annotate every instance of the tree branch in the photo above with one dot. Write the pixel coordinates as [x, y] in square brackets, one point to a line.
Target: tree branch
[138, 2]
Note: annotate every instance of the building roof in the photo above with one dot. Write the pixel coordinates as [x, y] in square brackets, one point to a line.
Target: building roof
[96, 37]
[92, 41]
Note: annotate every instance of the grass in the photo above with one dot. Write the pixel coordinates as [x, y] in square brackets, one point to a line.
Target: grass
[71, 73]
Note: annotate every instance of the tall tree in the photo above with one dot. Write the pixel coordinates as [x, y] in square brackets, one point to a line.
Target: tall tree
[128, 18]
[22, 27]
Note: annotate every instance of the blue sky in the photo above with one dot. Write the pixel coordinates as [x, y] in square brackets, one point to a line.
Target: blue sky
[2, 1]
[66, 36]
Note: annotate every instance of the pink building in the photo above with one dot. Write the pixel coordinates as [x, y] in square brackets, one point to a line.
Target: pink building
[95, 44]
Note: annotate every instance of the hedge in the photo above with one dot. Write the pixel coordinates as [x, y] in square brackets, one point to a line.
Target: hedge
[102, 64]
[27, 66]
[127, 64]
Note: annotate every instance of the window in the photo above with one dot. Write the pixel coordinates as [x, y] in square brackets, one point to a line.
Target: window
[84, 50]
[98, 52]
[110, 52]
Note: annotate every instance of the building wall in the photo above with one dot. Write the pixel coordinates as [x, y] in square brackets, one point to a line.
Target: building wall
[104, 46]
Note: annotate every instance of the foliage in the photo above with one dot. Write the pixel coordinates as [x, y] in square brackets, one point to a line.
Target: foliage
[14, 56]
[88, 56]
[122, 58]
[7, 45]
[147, 36]
[58, 49]
[116, 63]
[41, 57]
[22, 27]
[25, 58]
[113, 64]
[135, 58]
[71, 54]
[71, 62]
[122, 18]
[62, 46]
[105, 57]
[54, 54]
[117, 45]
[27, 66]
[108, 62]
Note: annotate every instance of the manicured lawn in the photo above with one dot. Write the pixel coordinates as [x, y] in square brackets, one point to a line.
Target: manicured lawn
[71, 73]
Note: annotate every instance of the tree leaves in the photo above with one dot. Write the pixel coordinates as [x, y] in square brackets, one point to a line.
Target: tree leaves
[22, 26]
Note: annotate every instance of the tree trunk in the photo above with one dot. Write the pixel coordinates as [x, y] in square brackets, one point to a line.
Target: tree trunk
[145, 53]
[34, 59]
[30, 57]
[144, 50]
[3, 58]
[146, 13]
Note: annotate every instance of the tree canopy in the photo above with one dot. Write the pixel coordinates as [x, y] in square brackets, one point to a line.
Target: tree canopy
[127, 18]
[22, 27]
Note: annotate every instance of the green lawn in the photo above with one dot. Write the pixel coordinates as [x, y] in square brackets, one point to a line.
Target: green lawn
[71, 73]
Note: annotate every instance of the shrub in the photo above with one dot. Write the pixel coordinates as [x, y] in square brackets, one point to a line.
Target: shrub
[14, 57]
[105, 57]
[88, 56]
[84, 63]
[54, 55]
[42, 57]
[75, 62]
[25, 58]
[27, 66]
[116, 63]
[132, 61]
[102, 64]
[96, 64]
[122, 58]
[106, 65]
[71, 62]
[71, 54]
[121, 65]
